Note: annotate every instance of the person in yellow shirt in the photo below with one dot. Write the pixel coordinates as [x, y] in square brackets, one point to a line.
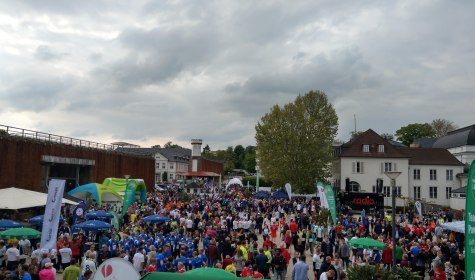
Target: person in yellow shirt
[232, 268]
[244, 251]
[267, 253]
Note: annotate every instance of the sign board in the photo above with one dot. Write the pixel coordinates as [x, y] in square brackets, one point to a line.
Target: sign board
[116, 269]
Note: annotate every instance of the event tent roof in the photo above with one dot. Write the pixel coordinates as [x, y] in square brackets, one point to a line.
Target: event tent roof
[458, 226]
[10, 199]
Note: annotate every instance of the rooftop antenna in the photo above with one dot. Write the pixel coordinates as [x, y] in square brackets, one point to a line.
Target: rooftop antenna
[354, 115]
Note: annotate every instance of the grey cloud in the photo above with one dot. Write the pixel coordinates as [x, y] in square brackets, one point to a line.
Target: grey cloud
[46, 53]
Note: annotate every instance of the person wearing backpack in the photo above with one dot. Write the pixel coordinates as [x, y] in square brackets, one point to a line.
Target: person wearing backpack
[279, 264]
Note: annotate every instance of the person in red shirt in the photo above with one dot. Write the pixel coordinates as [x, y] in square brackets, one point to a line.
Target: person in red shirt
[273, 231]
[257, 274]
[387, 257]
[247, 270]
[293, 227]
[267, 242]
[227, 261]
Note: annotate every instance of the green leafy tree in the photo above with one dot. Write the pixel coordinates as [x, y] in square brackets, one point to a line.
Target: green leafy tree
[169, 144]
[239, 154]
[355, 134]
[441, 127]
[165, 176]
[387, 136]
[294, 142]
[249, 162]
[156, 146]
[206, 149]
[407, 134]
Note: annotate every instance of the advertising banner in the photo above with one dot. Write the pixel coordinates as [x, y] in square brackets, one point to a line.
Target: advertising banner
[418, 206]
[321, 195]
[470, 225]
[52, 214]
[79, 212]
[288, 188]
[330, 195]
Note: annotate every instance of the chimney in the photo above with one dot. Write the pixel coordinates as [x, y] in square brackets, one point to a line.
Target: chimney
[196, 150]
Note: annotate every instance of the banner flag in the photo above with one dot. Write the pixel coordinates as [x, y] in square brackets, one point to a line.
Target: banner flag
[470, 225]
[321, 194]
[288, 188]
[52, 213]
[129, 196]
[79, 212]
[330, 197]
[418, 206]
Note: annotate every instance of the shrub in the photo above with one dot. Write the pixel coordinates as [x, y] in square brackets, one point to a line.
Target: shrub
[367, 273]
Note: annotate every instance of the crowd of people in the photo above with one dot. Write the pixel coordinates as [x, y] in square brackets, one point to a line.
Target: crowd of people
[249, 237]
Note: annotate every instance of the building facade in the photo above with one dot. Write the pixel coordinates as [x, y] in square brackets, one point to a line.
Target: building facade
[427, 174]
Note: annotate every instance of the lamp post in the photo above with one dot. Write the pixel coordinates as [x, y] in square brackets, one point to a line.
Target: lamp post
[393, 175]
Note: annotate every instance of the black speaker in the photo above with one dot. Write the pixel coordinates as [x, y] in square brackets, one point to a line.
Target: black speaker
[347, 185]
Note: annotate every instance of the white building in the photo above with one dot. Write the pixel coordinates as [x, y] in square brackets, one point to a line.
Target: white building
[427, 174]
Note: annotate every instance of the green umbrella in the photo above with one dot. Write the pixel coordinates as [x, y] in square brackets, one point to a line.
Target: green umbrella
[367, 243]
[20, 233]
[206, 272]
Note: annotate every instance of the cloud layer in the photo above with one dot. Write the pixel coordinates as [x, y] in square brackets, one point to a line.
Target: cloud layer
[148, 72]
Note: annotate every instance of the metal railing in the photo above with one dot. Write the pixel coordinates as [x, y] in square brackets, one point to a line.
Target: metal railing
[52, 138]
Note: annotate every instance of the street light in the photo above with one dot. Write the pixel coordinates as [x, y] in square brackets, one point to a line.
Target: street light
[393, 175]
[257, 178]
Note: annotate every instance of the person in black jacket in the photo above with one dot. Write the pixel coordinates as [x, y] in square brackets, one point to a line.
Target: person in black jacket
[261, 262]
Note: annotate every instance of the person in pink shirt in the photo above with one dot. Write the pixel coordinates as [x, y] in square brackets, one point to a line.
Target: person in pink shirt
[47, 273]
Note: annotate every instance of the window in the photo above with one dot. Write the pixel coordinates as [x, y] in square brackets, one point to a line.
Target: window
[381, 148]
[157, 165]
[358, 167]
[365, 148]
[417, 193]
[157, 178]
[417, 174]
[171, 175]
[433, 192]
[449, 174]
[398, 191]
[448, 192]
[354, 186]
[388, 167]
[164, 165]
[387, 191]
[433, 174]
[171, 165]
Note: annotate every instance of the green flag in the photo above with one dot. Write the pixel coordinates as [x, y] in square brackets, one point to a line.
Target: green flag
[129, 196]
[330, 195]
[470, 225]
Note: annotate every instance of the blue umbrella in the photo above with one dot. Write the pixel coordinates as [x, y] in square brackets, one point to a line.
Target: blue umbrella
[155, 219]
[38, 220]
[5, 224]
[93, 225]
[99, 215]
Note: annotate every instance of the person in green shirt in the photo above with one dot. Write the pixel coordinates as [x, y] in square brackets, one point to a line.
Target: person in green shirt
[72, 272]
[399, 253]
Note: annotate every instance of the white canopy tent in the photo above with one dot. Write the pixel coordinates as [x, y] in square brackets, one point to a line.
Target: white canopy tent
[15, 198]
[234, 181]
[458, 226]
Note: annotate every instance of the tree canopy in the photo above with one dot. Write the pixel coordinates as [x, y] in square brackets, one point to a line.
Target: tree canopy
[441, 127]
[294, 142]
[407, 134]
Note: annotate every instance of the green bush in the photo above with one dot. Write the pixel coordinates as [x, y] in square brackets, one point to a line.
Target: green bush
[367, 273]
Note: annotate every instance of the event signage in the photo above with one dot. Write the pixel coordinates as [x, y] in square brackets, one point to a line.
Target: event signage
[52, 214]
[288, 188]
[321, 195]
[79, 212]
[470, 225]
[418, 206]
[129, 196]
[116, 269]
[330, 195]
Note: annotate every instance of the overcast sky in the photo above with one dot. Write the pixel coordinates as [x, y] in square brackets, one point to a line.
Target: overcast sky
[147, 72]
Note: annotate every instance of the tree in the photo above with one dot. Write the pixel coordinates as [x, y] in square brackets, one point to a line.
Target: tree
[165, 176]
[407, 134]
[294, 142]
[206, 149]
[249, 162]
[169, 144]
[441, 127]
[239, 154]
[156, 146]
[387, 136]
[355, 134]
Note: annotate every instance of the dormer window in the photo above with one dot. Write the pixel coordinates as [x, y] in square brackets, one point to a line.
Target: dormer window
[365, 148]
[381, 148]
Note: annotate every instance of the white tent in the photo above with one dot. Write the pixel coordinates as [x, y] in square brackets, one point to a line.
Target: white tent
[15, 198]
[234, 181]
[458, 226]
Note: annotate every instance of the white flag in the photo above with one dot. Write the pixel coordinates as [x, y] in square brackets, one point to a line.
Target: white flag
[288, 188]
[419, 209]
[52, 214]
[323, 197]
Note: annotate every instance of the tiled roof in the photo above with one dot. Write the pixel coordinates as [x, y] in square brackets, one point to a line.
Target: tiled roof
[430, 156]
[354, 148]
[172, 154]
